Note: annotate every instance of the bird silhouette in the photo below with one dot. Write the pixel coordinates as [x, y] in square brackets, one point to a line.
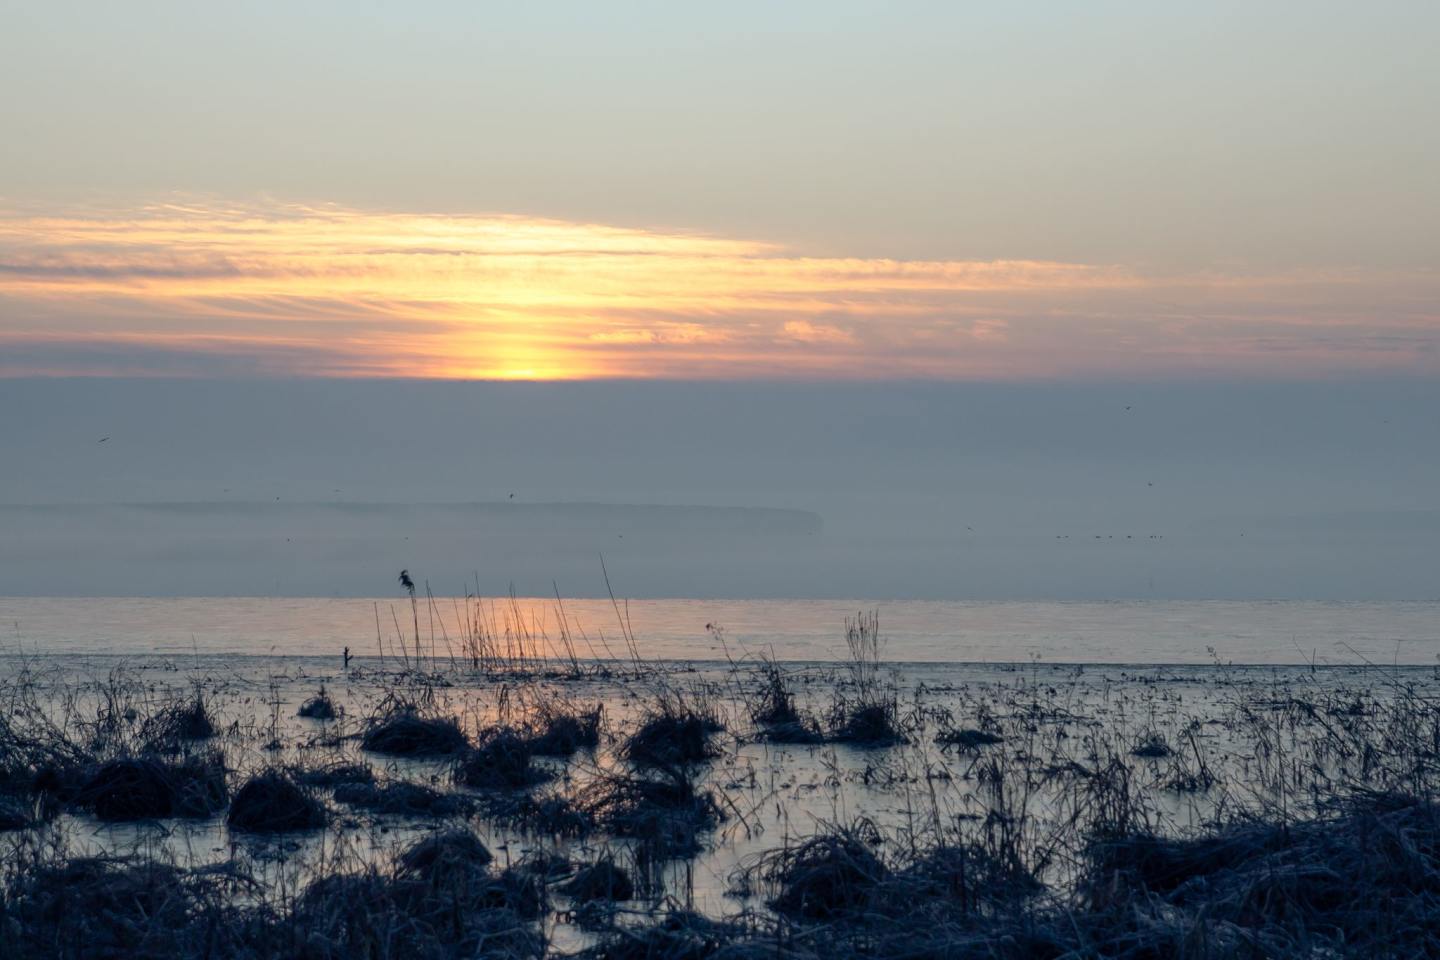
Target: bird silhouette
[102, 439]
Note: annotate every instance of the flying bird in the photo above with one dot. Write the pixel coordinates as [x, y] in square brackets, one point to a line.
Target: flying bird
[102, 439]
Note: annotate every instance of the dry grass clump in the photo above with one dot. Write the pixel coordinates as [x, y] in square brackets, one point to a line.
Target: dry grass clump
[672, 735]
[601, 880]
[683, 935]
[499, 761]
[402, 728]
[804, 731]
[867, 714]
[36, 755]
[667, 814]
[318, 707]
[968, 738]
[929, 897]
[133, 788]
[775, 704]
[374, 916]
[455, 864]
[15, 813]
[97, 907]
[548, 815]
[1187, 775]
[168, 730]
[352, 915]
[330, 774]
[1120, 866]
[561, 730]
[776, 714]
[448, 851]
[832, 874]
[401, 798]
[515, 892]
[440, 901]
[867, 724]
[549, 864]
[143, 788]
[1152, 745]
[1362, 882]
[273, 803]
[976, 876]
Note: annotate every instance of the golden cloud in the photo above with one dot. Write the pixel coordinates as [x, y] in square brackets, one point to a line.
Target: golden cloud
[328, 291]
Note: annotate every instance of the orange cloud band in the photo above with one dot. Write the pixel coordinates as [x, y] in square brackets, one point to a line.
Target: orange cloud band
[203, 288]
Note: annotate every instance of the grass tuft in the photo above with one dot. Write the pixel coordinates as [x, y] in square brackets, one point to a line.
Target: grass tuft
[273, 803]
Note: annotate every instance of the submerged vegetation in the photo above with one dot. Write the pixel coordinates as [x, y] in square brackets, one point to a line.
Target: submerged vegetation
[496, 805]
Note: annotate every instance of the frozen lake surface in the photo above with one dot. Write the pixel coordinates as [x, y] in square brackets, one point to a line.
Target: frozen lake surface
[1122, 631]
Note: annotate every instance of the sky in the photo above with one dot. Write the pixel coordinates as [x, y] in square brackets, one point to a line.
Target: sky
[818, 190]
[987, 228]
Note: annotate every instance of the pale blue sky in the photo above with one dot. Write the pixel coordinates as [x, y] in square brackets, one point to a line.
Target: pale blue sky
[1241, 135]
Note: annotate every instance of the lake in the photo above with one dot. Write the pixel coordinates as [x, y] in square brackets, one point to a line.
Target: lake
[1121, 631]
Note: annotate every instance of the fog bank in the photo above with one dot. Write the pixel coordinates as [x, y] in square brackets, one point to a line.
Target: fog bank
[972, 491]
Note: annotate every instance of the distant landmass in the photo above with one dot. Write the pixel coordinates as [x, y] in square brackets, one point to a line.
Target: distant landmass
[506, 516]
[230, 548]
[356, 548]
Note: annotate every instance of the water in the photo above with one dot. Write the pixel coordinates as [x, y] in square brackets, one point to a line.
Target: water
[1159, 632]
[256, 660]
[1051, 715]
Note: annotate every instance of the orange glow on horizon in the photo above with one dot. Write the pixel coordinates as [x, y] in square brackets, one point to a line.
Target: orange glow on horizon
[327, 291]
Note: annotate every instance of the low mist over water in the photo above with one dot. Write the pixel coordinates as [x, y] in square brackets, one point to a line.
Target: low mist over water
[980, 491]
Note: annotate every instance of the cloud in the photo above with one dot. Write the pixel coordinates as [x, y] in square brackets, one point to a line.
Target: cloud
[314, 290]
[803, 331]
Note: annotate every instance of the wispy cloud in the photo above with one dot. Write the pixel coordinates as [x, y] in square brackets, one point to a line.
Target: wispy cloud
[206, 289]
